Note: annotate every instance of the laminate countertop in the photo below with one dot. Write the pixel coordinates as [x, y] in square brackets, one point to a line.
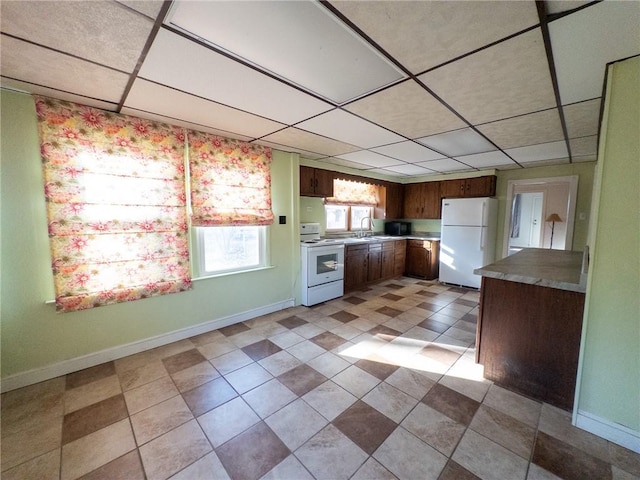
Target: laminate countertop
[560, 269]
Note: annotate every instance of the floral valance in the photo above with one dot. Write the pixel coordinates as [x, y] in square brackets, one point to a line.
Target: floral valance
[346, 192]
[230, 181]
[116, 205]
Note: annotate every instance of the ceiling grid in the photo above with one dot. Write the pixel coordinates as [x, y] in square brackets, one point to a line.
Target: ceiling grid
[402, 89]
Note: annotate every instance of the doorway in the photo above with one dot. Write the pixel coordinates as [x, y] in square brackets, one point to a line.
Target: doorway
[530, 204]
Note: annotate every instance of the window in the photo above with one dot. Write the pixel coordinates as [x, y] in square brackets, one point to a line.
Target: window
[230, 249]
[347, 217]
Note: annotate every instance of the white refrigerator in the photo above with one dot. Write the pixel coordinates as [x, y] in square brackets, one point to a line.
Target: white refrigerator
[468, 239]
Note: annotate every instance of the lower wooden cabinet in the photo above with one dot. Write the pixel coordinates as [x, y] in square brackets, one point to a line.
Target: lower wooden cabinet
[423, 259]
[373, 262]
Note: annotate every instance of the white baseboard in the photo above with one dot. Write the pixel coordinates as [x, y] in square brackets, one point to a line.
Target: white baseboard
[609, 430]
[30, 377]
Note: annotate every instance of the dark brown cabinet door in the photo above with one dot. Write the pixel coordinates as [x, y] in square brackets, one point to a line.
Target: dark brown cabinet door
[400, 257]
[480, 186]
[355, 267]
[431, 200]
[452, 188]
[388, 260]
[422, 200]
[374, 263]
[394, 201]
[315, 182]
[423, 259]
[412, 200]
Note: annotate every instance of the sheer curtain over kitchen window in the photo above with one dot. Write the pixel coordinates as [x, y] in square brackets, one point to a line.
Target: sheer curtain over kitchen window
[116, 205]
[230, 181]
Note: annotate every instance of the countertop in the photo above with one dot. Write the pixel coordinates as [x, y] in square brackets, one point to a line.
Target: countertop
[559, 269]
[433, 236]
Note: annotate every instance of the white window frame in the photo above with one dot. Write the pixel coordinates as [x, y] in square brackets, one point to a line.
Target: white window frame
[349, 227]
[263, 260]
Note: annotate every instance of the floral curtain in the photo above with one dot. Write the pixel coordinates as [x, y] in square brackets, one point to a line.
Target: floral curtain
[116, 205]
[346, 192]
[230, 181]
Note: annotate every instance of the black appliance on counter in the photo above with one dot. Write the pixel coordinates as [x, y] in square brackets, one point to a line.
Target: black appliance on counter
[397, 229]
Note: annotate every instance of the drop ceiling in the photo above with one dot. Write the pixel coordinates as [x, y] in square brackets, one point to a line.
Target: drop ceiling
[404, 89]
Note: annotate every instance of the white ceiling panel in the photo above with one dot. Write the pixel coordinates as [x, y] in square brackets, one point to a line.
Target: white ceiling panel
[585, 146]
[485, 160]
[165, 101]
[371, 159]
[424, 34]
[24, 61]
[103, 32]
[50, 92]
[584, 42]
[559, 6]
[180, 63]
[345, 163]
[411, 169]
[407, 109]
[150, 8]
[458, 142]
[582, 118]
[539, 127]
[305, 44]
[286, 148]
[536, 153]
[297, 138]
[174, 121]
[388, 173]
[348, 128]
[444, 165]
[409, 152]
[508, 79]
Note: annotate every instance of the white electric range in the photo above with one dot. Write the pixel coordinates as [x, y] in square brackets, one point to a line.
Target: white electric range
[322, 266]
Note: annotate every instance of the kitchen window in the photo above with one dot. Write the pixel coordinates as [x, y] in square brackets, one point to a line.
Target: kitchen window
[343, 218]
[230, 249]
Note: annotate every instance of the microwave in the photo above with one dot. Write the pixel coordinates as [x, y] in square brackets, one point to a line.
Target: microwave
[397, 229]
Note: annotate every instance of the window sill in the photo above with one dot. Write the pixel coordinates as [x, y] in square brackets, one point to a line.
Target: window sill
[237, 272]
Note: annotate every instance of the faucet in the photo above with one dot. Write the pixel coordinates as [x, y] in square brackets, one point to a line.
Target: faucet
[362, 228]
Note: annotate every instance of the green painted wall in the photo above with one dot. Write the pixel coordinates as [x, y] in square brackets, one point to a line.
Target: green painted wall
[609, 380]
[34, 336]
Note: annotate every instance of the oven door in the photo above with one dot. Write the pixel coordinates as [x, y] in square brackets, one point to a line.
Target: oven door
[324, 264]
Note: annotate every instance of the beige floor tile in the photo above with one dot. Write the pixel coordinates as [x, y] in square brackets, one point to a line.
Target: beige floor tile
[228, 420]
[328, 364]
[217, 347]
[172, 349]
[248, 337]
[159, 419]
[150, 394]
[296, 423]
[372, 469]
[280, 362]
[519, 407]
[434, 428]
[331, 455]
[286, 339]
[194, 376]
[21, 396]
[504, 430]
[356, 381]
[28, 415]
[41, 437]
[248, 377]
[291, 468]
[208, 467]
[329, 399]
[174, 451]
[489, 460]
[269, 397]
[390, 401]
[205, 338]
[142, 375]
[96, 449]
[408, 457]
[410, 382]
[539, 473]
[625, 459]
[231, 361]
[44, 467]
[91, 393]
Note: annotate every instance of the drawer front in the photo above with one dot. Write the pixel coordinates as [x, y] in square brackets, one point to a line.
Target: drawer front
[357, 249]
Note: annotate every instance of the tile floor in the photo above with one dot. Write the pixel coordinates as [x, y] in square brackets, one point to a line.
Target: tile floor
[380, 384]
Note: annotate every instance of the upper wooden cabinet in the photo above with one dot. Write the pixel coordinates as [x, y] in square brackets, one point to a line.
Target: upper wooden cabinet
[394, 199]
[469, 187]
[315, 182]
[422, 200]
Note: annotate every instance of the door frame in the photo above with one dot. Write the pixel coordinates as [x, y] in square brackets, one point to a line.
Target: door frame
[570, 213]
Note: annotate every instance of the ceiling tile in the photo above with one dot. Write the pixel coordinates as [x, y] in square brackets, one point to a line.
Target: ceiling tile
[174, 121]
[559, 6]
[444, 165]
[24, 61]
[409, 152]
[370, 159]
[536, 153]
[150, 8]
[582, 118]
[345, 163]
[437, 31]
[411, 169]
[458, 142]
[511, 78]
[103, 32]
[585, 158]
[180, 63]
[286, 148]
[585, 146]
[312, 48]
[585, 41]
[407, 109]
[485, 160]
[348, 128]
[294, 137]
[50, 92]
[165, 101]
[389, 173]
[531, 129]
